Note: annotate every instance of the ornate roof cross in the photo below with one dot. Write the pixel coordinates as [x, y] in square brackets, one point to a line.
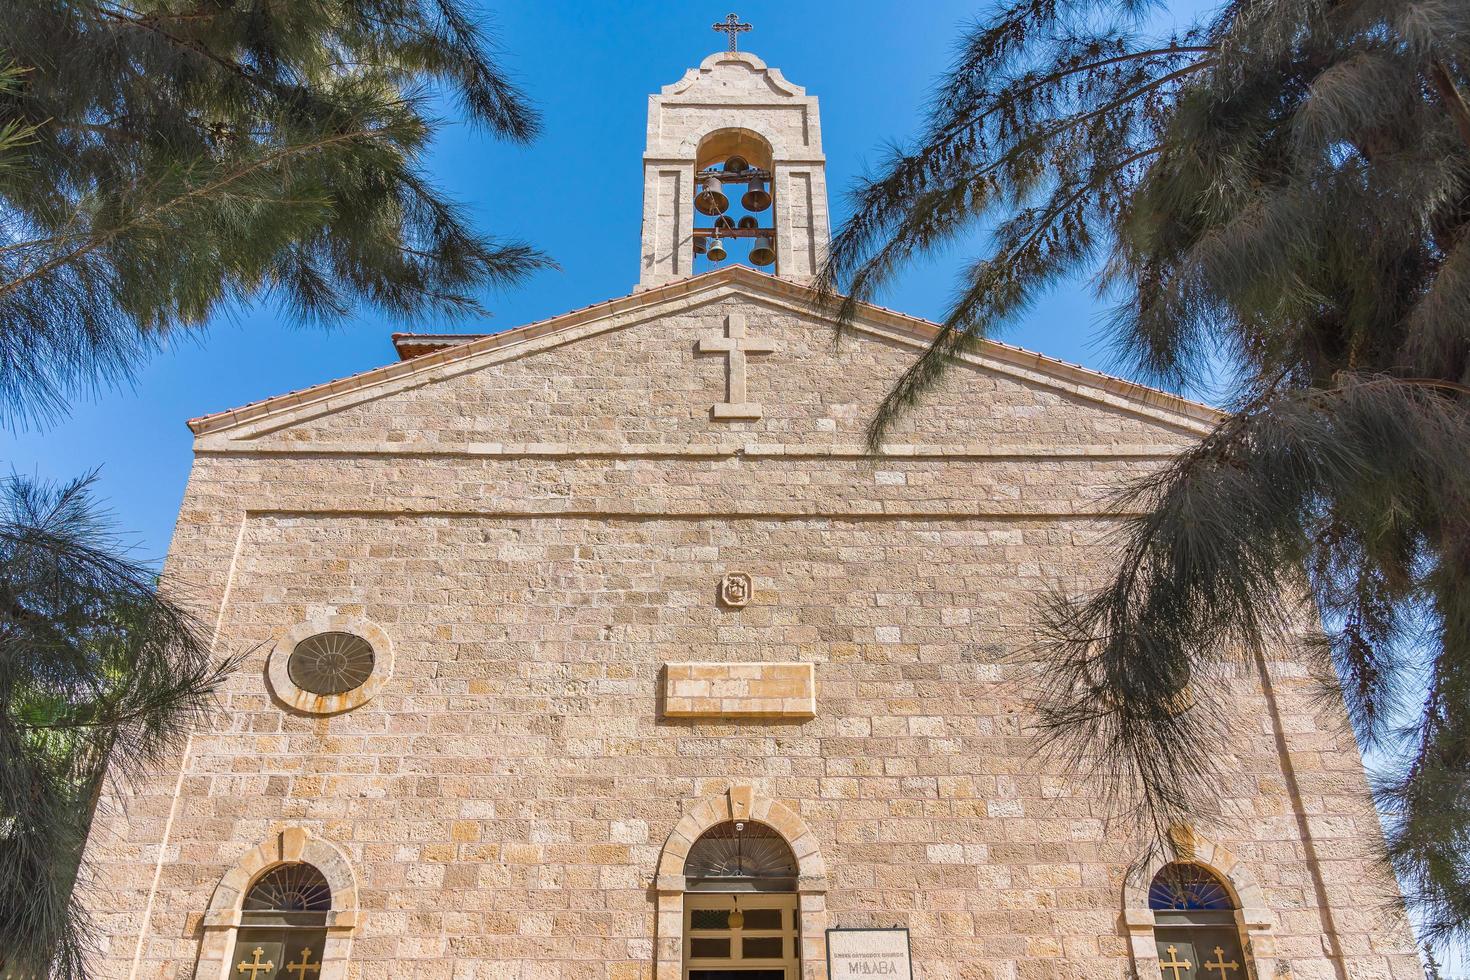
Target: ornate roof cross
[731, 25]
[734, 345]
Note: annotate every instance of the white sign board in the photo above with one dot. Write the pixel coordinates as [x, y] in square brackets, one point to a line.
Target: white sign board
[868, 954]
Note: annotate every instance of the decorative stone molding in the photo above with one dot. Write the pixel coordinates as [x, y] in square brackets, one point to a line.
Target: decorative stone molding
[292, 845]
[1251, 915]
[740, 690]
[736, 590]
[740, 803]
[307, 702]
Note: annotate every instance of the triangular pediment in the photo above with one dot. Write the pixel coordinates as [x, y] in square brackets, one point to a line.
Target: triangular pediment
[650, 370]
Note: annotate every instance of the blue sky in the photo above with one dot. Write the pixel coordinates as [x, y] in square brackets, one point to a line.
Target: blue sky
[575, 194]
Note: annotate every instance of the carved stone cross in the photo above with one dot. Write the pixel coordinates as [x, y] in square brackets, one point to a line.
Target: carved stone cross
[1175, 964]
[1220, 964]
[304, 965]
[734, 345]
[257, 966]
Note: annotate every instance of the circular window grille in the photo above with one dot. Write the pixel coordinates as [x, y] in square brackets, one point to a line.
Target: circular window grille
[290, 888]
[330, 663]
[1183, 887]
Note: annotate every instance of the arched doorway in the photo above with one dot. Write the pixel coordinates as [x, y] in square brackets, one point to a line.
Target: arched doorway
[742, 920]
[283, 925]
[1195, 925]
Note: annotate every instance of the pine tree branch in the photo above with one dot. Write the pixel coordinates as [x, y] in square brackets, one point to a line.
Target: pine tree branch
[1454, 101]
[144, 217]
[1436, 383]
[165, 15]
[113, 722]
[1073, 121]
[919, 375]
[133, 19]
[873, 272]
[1331, 284]
[994, 106]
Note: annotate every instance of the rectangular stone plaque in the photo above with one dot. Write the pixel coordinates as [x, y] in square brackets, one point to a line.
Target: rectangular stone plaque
[740, 690]
[868, 954]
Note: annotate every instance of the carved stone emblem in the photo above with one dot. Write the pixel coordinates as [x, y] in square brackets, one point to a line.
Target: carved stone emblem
[735, 590]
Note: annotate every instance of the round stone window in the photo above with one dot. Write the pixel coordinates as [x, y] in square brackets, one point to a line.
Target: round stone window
[331, 663]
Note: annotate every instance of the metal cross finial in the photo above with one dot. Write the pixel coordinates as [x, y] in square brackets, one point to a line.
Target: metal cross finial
[1175, 964]
[731, 25]
[1222, 964]
[304, 965]
[256, 966]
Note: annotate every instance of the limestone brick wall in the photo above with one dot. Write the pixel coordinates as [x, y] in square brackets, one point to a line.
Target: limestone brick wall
[504, 798]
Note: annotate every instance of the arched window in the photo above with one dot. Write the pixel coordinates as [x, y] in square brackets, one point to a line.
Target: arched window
[283, 925]
[1195, 925]
[740, 910]
[741, 856]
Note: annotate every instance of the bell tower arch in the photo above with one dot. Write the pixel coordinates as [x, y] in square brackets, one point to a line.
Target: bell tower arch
[733, 128]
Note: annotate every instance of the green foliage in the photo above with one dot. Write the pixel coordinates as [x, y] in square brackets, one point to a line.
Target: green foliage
[1283, 190]
[101, 672]
[189, 154]
[13, 134]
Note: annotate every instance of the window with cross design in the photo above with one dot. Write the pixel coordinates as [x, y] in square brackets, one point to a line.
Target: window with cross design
[1195, 925]
[283, 925]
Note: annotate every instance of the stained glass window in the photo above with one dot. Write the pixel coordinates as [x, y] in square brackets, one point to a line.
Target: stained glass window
[1184, 887]
[290, 888]
[740, 936]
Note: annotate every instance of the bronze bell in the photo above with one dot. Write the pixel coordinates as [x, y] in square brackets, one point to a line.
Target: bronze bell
[699, 246]
[724, 221]
[757, 198]
[748, 222]
[711, 199]
[735, 165]
[716, 252]
[763, 252]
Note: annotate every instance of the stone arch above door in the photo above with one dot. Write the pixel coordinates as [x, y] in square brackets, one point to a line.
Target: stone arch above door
[740, 803]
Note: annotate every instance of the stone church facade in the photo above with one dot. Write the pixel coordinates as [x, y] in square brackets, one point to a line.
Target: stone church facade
[539, 620]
